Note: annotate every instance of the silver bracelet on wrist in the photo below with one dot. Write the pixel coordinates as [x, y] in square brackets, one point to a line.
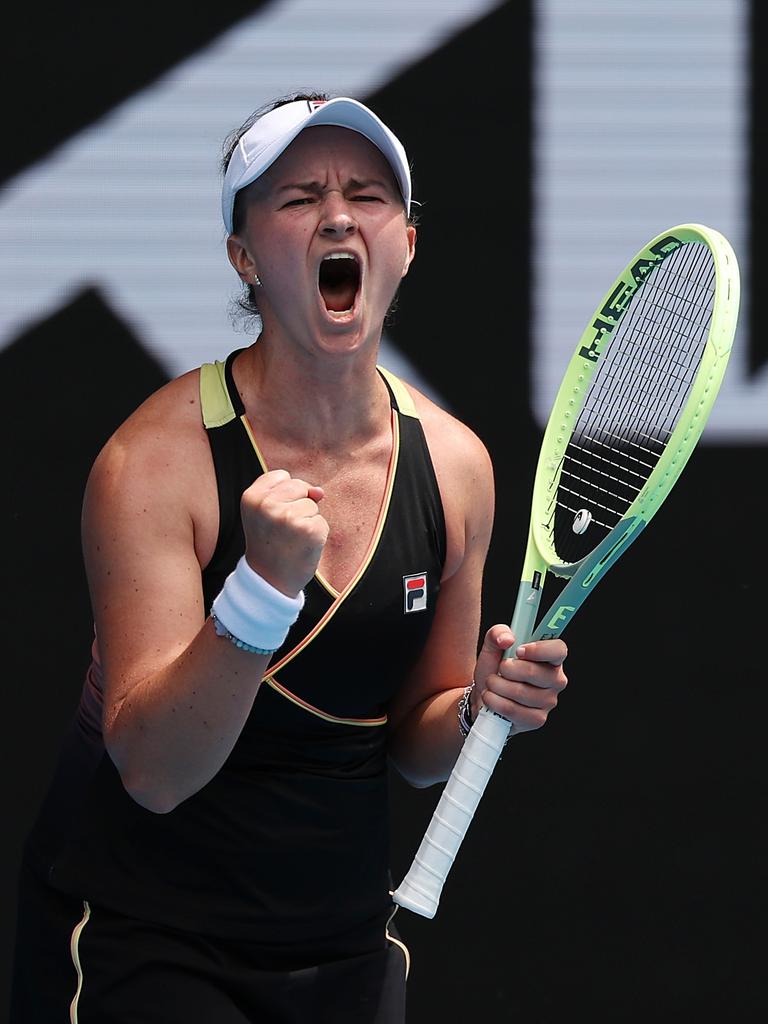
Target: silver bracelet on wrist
[465, 710]
[466, 720]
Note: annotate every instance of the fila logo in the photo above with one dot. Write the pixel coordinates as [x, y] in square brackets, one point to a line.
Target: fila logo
[415, 592]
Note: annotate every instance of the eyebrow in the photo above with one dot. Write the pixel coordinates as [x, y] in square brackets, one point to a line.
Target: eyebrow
[317, 187]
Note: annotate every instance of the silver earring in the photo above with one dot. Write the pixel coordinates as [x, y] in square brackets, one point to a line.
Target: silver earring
[256, 280]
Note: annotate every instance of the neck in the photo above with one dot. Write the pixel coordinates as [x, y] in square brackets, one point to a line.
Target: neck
[313, 401]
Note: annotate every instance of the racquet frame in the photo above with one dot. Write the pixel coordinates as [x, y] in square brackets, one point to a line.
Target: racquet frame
[421, 888]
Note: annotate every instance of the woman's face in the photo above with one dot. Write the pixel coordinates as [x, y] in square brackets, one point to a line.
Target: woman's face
[326, 232]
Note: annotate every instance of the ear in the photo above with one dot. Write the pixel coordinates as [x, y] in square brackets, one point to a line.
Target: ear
[411, 250]
[241, 259]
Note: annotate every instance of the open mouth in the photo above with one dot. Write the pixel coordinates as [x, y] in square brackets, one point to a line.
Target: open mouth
[339, 280]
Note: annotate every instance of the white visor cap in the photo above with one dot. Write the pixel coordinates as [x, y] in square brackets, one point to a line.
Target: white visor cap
[270, 136]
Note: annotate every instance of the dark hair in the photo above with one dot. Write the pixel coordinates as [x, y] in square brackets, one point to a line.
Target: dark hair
[231, 141]
[246, 306]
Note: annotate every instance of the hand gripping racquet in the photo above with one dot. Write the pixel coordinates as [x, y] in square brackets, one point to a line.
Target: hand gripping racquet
[632, 405]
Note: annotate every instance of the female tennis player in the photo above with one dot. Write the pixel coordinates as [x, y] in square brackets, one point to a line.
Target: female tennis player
[285, 554]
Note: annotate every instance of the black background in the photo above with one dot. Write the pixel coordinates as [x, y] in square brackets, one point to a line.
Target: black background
[615, 867]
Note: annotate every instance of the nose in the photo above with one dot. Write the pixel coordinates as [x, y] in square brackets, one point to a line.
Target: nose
[337, 220]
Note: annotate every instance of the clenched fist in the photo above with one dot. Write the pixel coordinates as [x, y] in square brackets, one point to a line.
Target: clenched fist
[284, 531]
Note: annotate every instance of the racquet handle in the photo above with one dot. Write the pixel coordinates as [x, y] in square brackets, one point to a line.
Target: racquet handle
[420, 889]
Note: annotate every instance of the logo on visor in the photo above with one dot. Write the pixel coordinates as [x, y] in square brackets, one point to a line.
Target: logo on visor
[415, 592]
[315, 104]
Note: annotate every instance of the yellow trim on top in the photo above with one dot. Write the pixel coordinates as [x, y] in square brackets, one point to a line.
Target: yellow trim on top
[396, 942]
[74, 948]
[338, 596]
[249, 432]
[214, 397]
[328, 586]
[325, 715]
[383, 511]
[402, 394]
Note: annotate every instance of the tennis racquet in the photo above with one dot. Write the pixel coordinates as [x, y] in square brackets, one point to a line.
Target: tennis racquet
[632, 405]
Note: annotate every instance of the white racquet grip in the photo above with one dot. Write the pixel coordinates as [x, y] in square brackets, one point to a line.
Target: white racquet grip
[421, 888]
[253, 610]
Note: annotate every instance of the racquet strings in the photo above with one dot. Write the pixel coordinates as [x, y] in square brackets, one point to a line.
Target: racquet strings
[634, 401]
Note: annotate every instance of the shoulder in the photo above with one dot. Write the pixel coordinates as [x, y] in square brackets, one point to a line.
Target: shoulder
[170, 414]
[157, 454]
[454, 446]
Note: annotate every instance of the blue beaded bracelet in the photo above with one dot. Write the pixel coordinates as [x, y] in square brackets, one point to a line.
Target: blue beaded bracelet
[221, 630]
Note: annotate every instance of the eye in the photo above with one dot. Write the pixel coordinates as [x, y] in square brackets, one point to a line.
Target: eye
[367, 199]
[298, 202]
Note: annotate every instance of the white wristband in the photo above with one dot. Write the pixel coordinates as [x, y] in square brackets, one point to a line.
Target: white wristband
[253, 610]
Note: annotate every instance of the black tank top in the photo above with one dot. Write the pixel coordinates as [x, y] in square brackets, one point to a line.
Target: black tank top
[287, 846]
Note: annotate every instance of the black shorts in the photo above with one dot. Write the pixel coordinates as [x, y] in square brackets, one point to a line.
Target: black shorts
[85, 964]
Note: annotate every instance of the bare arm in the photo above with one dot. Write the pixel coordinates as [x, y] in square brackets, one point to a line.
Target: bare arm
[176, 696]
[425, 737]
